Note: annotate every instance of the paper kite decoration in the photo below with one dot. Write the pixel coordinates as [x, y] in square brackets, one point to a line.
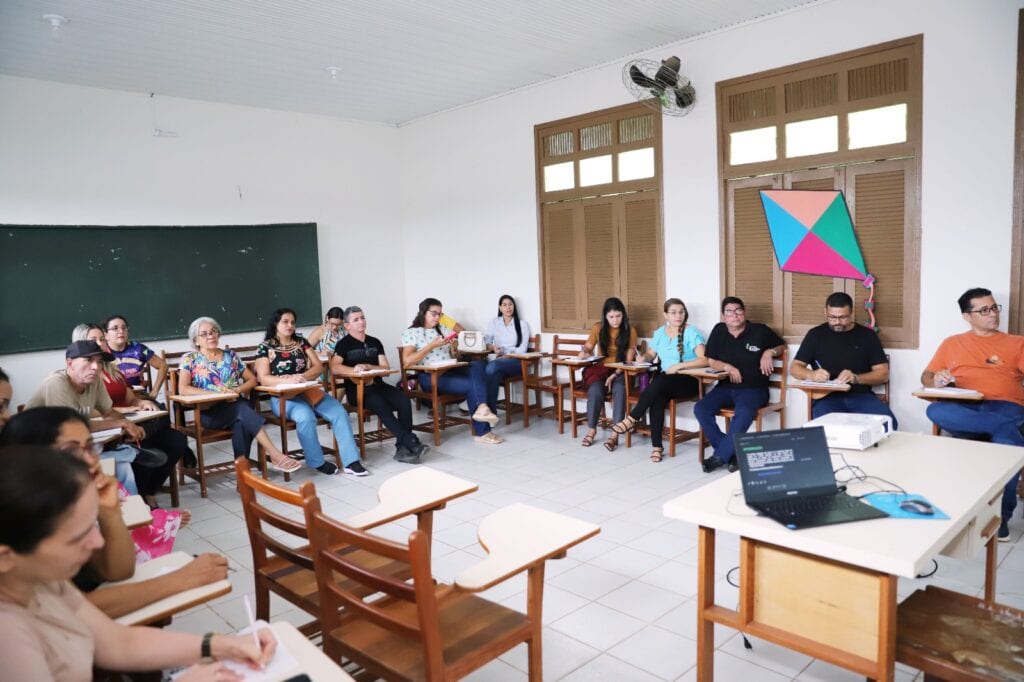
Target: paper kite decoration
[812, 233]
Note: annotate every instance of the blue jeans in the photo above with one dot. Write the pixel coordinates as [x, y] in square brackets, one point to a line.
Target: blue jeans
[744, 401]
[495, 373]
[998, 419]
[468, 381]
[123, 456]
[858, 403]
[304, 416]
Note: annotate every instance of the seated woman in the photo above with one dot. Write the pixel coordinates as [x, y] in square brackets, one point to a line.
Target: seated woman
[50, 506]
[615, 340]
[285, 357]
[324, 338]
[506, 333]
[675, 347]
[66, 430]
[149, 475]
[211, 369]
[133, 357]
[425, 341]
[359, 352]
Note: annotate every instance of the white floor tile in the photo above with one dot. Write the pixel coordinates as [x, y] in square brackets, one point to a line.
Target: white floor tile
[659, 652]
[589, 581]
[606, 668]
[598, 626]
[643, 601]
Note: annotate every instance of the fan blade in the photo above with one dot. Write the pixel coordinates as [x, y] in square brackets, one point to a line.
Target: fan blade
[668, 74]
[642, 80]
[685, 96]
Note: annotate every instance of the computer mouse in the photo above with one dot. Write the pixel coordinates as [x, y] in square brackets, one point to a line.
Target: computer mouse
[917, 507]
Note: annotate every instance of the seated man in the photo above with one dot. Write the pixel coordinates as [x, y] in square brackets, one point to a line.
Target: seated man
[991, 362]
[846, 352]
[745, 350]
[356, 352]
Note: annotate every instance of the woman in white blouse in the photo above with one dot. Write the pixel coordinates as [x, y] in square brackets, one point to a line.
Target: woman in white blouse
[427, 341]
[505, 334]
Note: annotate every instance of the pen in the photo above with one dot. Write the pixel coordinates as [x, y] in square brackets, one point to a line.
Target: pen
[230, 568]
[252, 622]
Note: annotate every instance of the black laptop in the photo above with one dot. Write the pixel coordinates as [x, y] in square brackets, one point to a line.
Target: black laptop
[787, 475]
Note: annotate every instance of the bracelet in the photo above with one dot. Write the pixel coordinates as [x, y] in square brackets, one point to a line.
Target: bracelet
[205, 655]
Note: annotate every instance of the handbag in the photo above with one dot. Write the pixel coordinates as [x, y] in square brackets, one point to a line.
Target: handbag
[595, 373]
[313, 395]
[472, 342]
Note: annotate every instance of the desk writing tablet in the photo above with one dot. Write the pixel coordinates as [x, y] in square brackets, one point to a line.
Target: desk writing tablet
[202, 398]
[947, 393]
[411, 492]
[176, 603]
[135, 512]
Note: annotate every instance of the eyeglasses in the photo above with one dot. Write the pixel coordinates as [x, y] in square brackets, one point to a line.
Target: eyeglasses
[837, 318]
[90, 448]
[118, 329]
[987, 310]
[734, 312]
[213, 333]
[435, 313]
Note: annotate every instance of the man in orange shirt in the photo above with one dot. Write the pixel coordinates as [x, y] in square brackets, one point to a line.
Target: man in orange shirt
[987, 360]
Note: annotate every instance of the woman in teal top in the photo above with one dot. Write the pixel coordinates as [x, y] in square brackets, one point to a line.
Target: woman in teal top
[676, 347]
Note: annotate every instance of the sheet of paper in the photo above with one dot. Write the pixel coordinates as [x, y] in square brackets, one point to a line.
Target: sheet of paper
[813, 384]
[281, 666]
[142, 415]
[440, 363]
[589, 358]
[948, 390]
[301, 384]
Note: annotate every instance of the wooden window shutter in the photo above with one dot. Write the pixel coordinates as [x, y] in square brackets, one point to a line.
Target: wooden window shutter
[601, 269]
[753, 274]
[643, 264]
[878, 202]
[561, 293]
[804, 295]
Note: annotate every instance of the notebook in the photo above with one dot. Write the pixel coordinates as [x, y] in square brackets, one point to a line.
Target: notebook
[787, 476]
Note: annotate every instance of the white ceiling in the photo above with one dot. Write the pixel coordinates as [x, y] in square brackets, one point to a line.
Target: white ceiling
[400, 60]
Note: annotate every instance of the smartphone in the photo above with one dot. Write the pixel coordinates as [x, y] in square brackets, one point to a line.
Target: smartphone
[299, 678]
[453, 335]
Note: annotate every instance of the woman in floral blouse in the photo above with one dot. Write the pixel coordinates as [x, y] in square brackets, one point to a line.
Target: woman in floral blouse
[285, 357]
[211, 369]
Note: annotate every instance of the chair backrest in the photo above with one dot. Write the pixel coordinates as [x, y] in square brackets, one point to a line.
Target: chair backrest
[567, 348]
[325, 533]
[534, 344]
[257, 514]
[173, 362]
[883, 392]
[780, 375]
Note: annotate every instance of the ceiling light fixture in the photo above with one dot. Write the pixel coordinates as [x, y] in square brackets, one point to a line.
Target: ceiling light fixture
[334, 71]
[56, 21]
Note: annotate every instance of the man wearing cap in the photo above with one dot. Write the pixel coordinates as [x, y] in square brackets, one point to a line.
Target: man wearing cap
[76, 386]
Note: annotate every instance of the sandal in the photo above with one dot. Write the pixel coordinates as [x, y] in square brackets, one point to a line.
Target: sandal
[627, 425]
[588, 440]
[611, 444]
[285, 466]
[656, 454]
[489, 438]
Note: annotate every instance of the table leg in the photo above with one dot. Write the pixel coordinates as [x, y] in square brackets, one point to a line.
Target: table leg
[526, 394]
[534, 596]
[705, 600]
[359, 416]
[991, 554]
[627, 377]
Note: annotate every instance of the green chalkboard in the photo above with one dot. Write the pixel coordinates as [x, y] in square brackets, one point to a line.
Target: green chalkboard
[160, 278]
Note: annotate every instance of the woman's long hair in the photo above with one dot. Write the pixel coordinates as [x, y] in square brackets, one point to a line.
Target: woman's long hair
[271, 333]
[604, 338]
[686, 316]
[515, 316]
[421, 314]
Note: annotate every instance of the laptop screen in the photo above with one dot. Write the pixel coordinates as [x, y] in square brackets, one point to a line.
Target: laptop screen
[776, 465]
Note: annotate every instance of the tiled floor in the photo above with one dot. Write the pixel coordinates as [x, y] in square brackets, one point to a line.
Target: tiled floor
[619, 607]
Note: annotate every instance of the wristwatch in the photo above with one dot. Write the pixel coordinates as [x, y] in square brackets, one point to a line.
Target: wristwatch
[205, 655]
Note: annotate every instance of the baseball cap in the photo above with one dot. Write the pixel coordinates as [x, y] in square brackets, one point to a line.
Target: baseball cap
[86, 349]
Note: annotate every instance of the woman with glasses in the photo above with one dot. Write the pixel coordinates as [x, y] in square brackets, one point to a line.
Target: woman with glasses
[149, 473]
[428, 341]
[212, 369]
[50, 632]
[133, 357]
[324, 338]
[674, 347]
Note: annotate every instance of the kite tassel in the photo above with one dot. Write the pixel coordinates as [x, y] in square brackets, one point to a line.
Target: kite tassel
[869, 304]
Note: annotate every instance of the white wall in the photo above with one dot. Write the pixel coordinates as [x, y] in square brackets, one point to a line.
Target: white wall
[73, 155]
[469, 204]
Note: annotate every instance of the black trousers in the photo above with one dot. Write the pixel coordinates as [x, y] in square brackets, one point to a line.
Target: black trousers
[384, 400]
[662, 389]
[151, 471]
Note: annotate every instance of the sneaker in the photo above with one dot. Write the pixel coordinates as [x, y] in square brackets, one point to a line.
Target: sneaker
[420, 449]
[406, 456]
[356, 469]
[711, 463]
[1004, 532]
[327, 469]
[733, 466]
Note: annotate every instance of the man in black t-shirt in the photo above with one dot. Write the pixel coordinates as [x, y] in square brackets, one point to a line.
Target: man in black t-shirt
[357, 352]
[745, 350]
[842, 350]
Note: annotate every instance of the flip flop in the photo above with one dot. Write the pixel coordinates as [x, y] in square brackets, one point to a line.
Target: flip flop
[489, 438]
[290, 466]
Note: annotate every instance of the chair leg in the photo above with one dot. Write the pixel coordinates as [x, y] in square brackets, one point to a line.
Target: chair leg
[175, 489]
[262, 602]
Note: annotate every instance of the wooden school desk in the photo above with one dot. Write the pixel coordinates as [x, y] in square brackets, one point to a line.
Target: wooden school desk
[830, 592]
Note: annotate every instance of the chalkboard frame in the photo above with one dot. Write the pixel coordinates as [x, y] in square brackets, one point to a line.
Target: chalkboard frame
[138, 269]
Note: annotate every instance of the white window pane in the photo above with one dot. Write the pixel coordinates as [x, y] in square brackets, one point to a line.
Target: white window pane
[884, 125]
[751, 146]
[558, 176]
[636, 164]
[816, 136]
[596, 170]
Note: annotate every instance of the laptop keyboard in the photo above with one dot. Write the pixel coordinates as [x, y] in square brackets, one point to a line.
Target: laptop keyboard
[811, 505]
